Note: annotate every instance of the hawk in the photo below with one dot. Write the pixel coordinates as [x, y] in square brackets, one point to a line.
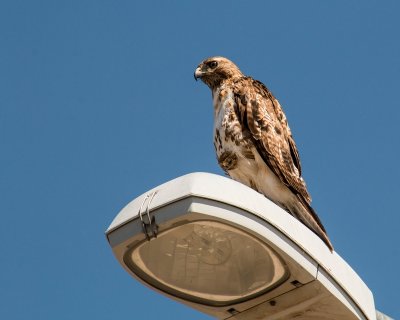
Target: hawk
[253, 141]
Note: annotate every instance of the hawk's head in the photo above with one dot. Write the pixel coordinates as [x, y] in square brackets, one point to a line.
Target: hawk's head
[213, 71]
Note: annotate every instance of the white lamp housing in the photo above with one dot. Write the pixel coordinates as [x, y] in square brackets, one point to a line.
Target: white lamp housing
[226, 250]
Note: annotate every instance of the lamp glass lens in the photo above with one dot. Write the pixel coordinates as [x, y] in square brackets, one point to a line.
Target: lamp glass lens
[207, 262]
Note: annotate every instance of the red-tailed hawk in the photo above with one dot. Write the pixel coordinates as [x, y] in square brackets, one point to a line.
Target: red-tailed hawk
[253, 141]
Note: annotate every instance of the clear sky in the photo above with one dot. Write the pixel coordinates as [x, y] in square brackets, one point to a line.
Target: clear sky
[98, 104]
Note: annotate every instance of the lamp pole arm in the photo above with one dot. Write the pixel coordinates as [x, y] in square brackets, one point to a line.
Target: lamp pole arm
[381, 316]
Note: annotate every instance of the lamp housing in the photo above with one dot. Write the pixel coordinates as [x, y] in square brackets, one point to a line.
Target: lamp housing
[224, 249]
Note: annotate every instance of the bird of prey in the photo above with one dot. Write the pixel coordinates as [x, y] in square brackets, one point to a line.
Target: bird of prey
[253, 141]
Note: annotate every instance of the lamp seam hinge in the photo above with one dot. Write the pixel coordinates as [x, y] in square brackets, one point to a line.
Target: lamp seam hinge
[148, 221]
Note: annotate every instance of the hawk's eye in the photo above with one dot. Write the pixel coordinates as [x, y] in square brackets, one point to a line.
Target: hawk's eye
[213, 64]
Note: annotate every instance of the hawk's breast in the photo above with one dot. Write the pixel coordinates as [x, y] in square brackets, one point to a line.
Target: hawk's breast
[230, 141]
[236, 153]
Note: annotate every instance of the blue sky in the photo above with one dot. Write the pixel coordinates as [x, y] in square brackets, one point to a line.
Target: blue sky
[98, 104]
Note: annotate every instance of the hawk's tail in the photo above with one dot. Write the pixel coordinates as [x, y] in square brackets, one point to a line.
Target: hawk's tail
[303, 212]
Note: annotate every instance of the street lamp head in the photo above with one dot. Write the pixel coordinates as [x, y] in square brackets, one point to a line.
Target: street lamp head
[225, 250]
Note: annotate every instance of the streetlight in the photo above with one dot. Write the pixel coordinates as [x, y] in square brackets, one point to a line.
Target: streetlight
[225, 250]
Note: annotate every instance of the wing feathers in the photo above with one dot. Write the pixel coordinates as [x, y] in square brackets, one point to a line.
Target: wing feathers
[262, 114]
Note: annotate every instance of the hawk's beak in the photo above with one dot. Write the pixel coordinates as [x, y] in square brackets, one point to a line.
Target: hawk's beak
[197, 73]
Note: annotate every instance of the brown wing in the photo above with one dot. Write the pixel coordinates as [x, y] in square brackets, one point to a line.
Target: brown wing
[262, 115]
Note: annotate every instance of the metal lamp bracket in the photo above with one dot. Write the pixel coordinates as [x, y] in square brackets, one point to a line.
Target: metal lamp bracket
[149, 225]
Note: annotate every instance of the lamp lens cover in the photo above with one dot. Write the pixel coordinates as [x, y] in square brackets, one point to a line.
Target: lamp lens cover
[207, 262]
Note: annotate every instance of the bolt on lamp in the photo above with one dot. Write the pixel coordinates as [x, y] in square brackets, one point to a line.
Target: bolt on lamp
[224, 249]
